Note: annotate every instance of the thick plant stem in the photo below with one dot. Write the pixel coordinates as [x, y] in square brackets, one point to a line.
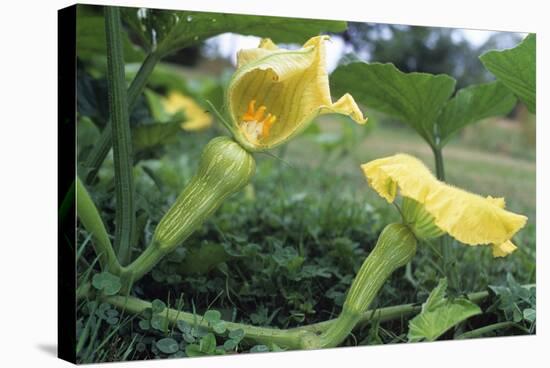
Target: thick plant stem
[439, 164]
[148, 259]
[485, 329]
[444, 241]
[103, 145]
[89, 216]
[395, 248]
[224, 169]
[122, 138]
[294, 339]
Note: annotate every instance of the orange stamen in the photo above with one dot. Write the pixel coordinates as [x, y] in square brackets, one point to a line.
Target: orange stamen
[267, 124]
[249, 114]
[256, 117]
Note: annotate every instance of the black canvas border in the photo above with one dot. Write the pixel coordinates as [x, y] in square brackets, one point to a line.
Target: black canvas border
[66, 159]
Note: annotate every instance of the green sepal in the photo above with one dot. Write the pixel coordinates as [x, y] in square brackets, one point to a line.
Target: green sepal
[420, 221]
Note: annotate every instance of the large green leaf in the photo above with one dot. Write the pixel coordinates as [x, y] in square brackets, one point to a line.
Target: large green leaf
[440, 314]
[90, 36]
[167, 31]
[472, 104]
[414, 98]
[516, 68]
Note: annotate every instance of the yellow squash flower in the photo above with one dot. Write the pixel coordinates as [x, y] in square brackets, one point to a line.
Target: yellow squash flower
[467, 217]
[196, 117]
[275, 93]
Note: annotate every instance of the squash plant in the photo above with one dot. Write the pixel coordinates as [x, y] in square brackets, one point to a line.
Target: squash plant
[273, 96]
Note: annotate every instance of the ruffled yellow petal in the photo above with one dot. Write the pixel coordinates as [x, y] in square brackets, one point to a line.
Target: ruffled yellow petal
[292, 85]
[467, 217]
[346, 105]
[500, 202]
[196, 117]
[502, 250]
[386, 174]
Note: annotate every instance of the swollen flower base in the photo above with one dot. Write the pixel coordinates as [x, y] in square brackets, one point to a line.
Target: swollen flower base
[224, 169]
[395, 248]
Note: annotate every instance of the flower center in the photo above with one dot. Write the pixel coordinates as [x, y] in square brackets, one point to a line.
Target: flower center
[255, 124]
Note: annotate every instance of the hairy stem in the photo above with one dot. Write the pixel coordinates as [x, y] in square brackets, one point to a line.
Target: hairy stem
[485, 329]
[294, 339]
[122, 137]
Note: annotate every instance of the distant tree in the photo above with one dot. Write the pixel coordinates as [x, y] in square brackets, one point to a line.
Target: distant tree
[425, 49]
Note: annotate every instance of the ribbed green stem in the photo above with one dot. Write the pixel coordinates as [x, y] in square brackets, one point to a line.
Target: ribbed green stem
[304, 337]
[103, 145]
[395, 248]
[298, 337]
[224, 169]
[285, 338]
[141, 77]
[89, 217]
[122, 137]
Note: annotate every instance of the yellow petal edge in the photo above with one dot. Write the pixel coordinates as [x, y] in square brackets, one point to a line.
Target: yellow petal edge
[467, 217]
[291, 85]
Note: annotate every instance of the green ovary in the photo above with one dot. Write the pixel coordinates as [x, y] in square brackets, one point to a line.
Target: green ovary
[395, 248]
[224, 169]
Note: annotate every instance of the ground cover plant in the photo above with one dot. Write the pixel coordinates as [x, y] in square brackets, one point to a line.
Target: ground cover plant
[249, 211]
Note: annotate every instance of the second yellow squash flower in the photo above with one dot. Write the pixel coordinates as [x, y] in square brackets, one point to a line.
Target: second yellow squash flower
[467, 217]
[275, 93]
[196, 117]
